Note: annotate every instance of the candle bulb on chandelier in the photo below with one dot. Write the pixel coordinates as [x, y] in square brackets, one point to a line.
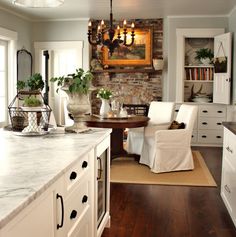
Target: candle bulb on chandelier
[102, 24]
[132, 26]
[90, 25]
[124, 24]
[118, 30]
[99, 29]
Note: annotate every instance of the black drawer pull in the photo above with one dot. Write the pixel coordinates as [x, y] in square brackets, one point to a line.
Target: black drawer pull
[192, 136]
[219, 123]
[176, 110]
[84, 199]
[204, 136]
[229, 150]
[73, 175]
[219, 111]
[204, 123]
[84, 164]
[73, 214]
[218, 136]
[227, 188]
[205, 111]
[62, 211]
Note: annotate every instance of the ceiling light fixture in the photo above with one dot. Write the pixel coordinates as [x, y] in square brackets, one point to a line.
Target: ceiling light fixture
[99, 37]
[38, 3]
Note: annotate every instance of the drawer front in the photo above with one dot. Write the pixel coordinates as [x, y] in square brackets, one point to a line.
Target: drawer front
[194, 136]
[230, 147]
[209, 136]
[212, 111]
[228, 185]
[210, 123]
[77, 203]
[76, 173]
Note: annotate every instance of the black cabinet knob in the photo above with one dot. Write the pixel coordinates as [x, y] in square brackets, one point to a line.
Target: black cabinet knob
[218, 136]
[204, 136]
[84, 199]
[219, 111]
[219, 123]
[84, 164]
[73, 214]
[205, 111]
[73, 175]
[204, 123]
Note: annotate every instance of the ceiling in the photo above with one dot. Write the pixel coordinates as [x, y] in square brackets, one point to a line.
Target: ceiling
[130, 9]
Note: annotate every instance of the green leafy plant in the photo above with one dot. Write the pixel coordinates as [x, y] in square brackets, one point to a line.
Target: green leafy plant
[204, 53]
[104, 94]
[34, 82]
[32, 101]
[78, 82]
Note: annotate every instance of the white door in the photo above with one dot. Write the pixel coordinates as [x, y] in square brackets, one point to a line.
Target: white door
[64, 58]
[222, 80]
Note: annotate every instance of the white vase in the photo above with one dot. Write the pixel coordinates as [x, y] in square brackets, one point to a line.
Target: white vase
[105, 108]
[158, 64]
[78, 105]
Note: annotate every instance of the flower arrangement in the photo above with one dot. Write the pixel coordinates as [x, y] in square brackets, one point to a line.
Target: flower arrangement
[204, 53]
[104, 94]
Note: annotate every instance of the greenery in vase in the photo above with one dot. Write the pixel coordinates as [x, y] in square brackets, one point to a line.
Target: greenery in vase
[78, 82]
[204, 53]
[32, 101]
[104, 94]
[34, 82]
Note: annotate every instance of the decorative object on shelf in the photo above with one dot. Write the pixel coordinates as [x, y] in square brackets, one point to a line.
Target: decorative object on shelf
[106, 36]
[199, 96]
[158, 63]
[140, 53]
[37, 3]
[220, 63]
[204, 55]
[104, 95]
[77, 86]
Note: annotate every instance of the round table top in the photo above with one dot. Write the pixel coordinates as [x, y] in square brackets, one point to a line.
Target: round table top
[129, 122]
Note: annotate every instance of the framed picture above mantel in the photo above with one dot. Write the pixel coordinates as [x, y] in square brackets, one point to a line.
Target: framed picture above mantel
[140, 53]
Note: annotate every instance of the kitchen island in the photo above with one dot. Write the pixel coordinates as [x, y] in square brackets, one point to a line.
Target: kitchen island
[50, 170]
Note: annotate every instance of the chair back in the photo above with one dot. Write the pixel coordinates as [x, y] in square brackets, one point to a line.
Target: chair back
[160, 112]
[187, 114]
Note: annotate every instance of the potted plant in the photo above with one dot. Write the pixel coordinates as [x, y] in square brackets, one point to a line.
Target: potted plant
[77, 86]
[33, 83]
[204, 55]
[104, 95]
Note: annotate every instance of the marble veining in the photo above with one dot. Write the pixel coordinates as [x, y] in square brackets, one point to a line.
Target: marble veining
[29, 165]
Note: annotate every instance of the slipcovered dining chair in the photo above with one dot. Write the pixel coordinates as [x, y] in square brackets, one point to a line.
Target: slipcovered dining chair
[170, 149]
[160, 114]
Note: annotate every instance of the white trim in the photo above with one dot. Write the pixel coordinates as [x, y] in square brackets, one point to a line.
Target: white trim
[15, 13]
[65, 19]
[232, 11]
[197, 16]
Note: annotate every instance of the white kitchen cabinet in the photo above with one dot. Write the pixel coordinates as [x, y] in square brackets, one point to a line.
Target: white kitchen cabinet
[228, 180]
[193, 78]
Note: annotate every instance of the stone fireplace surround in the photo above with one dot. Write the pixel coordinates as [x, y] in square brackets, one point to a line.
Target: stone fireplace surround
[132, 87]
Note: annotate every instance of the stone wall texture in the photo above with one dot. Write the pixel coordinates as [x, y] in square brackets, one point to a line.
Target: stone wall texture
[132, 87]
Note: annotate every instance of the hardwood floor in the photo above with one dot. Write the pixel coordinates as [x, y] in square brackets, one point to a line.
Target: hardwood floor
[171, 211]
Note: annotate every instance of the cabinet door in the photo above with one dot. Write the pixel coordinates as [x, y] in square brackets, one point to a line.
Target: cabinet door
[221, 88]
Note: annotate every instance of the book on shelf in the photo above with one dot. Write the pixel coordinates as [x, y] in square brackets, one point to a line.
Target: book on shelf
[200, 74]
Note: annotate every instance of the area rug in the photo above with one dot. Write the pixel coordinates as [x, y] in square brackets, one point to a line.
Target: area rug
[127, 170]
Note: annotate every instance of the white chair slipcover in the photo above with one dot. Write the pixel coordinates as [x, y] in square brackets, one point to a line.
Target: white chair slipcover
[170, 149]
[160, 114]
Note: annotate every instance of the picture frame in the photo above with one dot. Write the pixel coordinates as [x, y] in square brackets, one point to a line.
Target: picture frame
[140, 53]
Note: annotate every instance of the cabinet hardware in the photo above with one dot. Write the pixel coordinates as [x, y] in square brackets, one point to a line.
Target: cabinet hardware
[227, 188]
[73, 214]
[204, 123]
[84, 164]
[62, 211]
[204, 136]
[219, 123]
[100, 168]
[229, 150]
[73, 175]
[219, 111]
[84, 199]
[205, 111]
[218, 136]
[176, 110]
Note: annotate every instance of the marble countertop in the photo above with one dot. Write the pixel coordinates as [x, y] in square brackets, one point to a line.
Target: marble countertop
[231, 126]
[29, 165]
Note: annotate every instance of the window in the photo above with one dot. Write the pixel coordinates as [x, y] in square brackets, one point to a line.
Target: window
[3, 83]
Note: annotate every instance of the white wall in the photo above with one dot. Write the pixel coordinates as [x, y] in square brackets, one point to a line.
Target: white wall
[232, 28]
[19, 25]
[63, 31]
[170, 26]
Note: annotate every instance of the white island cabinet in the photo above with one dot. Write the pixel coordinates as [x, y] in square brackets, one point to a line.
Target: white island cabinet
[48, 184]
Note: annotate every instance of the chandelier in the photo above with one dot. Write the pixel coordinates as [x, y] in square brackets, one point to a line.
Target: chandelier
[38, 3]
[101, 38]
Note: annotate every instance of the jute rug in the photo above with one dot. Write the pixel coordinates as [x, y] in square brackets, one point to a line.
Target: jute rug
[126, 170]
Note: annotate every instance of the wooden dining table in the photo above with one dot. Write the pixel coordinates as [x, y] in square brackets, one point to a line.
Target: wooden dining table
[118, 125]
